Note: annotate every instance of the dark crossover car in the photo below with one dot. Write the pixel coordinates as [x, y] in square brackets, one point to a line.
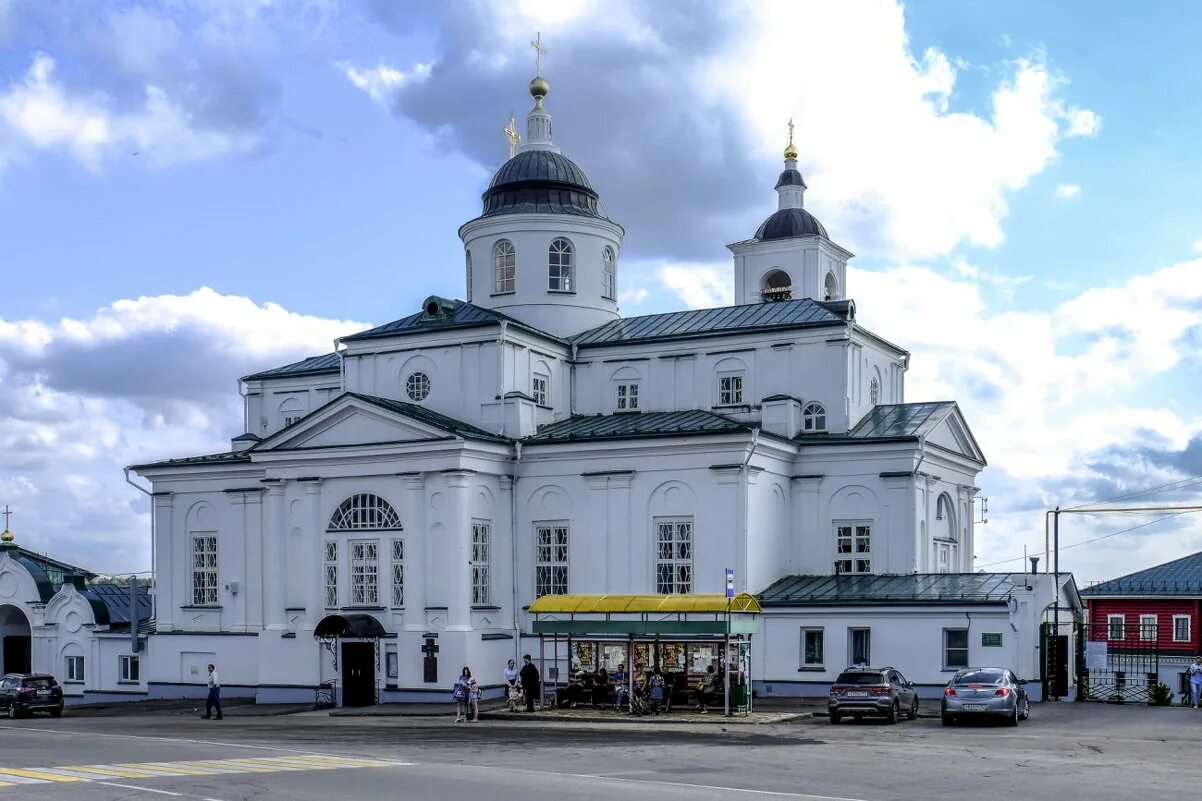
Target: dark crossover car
[880, 692]
[985, 693]
[24, 693]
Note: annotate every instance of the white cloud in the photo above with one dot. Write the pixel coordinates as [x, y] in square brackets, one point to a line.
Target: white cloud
[1198, 245]
[699, 286]
[633, 297]
[1068, 191]
[381, 81]
[136, 381]
[40, 114]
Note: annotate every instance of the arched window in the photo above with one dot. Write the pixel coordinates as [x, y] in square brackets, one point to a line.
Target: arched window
[777, 286]
[504, 266]
[609, 278]
[560, 265]
[814, 417]
[468, 263]
[364, 512]
[831, 288]
[945, 518]
[874, 392]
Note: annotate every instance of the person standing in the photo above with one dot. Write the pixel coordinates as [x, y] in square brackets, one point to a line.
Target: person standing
[214, 698]
[532, 682]
[462, 695]
[512, 686]
[1194, 672]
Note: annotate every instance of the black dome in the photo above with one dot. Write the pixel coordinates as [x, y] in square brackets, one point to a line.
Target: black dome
[790, 178]
[788, 223]
[540, 181]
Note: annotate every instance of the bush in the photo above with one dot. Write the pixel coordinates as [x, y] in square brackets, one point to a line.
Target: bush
[1160, 695]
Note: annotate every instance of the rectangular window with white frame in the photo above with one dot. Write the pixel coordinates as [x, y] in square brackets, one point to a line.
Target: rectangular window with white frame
[1181, 628]
[674, 555]
[130, 668]
[74, 668]
[628, 396]
[853, 548]
[481, 563]
[1147, 627]
[365, 572]
[551, 558]
[955, 649]
[730, 390]
[204, 569]
[813, 646]
[1115, 627]
[859, 646]
[331, 568]
[398, 573]
[538, 389]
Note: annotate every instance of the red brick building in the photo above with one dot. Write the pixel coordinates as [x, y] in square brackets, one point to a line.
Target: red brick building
[1161, 605]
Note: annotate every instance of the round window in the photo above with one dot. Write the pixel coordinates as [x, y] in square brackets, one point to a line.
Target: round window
[418, 386]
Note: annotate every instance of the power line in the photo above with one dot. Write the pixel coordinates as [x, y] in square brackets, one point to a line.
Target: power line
[1103, 537]
[1169, 487]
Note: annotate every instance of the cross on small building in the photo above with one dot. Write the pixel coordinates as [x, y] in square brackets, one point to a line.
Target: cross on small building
[430, 648]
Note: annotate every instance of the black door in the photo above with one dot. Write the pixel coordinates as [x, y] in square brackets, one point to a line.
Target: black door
[358, 674]
[16, 654]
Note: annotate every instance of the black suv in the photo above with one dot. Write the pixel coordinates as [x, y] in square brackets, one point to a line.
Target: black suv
[23, 693]
[883, 692]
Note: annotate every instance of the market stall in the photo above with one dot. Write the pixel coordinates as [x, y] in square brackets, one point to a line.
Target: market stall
[677, 636]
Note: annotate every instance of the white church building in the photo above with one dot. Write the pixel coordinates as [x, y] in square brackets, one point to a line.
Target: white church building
[409, 495]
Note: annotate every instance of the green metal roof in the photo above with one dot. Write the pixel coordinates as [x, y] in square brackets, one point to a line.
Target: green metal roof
[802, 313]
[430, 417]
[629, 426]
[458, 314]
[225, 457]
[914, 588]
[1179, 577]
[890, 421]
[314, 365]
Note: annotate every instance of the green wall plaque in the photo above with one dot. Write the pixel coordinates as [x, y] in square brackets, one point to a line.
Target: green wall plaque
[991, 640]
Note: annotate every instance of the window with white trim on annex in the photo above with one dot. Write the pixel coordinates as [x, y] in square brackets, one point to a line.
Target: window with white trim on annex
[1147, 627]
[813, 647]
[626, 384]
[853, 547]
[130, 668]
[609, 277]
[1116, 627]
[540, 388]
[955, 649]
[73, 668]
[813, 417]
[291, 411]
[673, 555]
[730, 381]
[859, 646]
[551, 558]
[1181, 628]
[481, 563]
[561, 266]
[504, 267]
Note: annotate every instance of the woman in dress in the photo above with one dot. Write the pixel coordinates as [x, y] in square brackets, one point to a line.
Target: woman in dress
[466, 695]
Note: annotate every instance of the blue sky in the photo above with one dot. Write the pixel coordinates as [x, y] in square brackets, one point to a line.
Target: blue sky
[1018, 181]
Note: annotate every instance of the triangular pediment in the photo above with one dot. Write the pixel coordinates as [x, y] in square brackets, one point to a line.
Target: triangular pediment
[349, 421]
[952, 433]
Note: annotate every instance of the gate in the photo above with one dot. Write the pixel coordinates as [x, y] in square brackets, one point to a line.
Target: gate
[1117, 663]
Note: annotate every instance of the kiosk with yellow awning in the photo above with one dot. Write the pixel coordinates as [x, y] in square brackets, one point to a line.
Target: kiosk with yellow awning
[680, 632]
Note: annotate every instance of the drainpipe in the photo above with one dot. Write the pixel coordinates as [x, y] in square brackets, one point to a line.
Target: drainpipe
[572, 382]
[154, 599]
[513, 551]
[340, 349]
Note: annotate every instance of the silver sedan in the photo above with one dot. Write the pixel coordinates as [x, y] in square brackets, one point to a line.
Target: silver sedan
[989, 692]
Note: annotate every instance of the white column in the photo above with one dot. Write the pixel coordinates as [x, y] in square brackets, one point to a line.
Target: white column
[415, 551]
[459, 532]
[311, 561]
[810, 546]
[253, 574]
[167, 590]
[275, 563]
[504, 561]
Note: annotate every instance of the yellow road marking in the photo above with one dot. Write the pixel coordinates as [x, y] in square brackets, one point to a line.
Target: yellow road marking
[37, 774]
[220, 764]
[294, 762]
[114, 772]
[168, 768]
[341, 761]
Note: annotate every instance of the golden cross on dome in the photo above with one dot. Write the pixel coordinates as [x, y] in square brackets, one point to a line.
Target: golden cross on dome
[511, 133]
[791, 150]
[537, 44]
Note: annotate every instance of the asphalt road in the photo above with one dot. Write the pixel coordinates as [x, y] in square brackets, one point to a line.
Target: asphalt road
[1067, 751]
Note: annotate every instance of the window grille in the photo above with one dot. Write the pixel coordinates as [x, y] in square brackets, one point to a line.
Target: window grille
[398, 572]
[204, 570]
[628, 397]
[365, 572]
[538, 389]
[674, 556]
[417, 387]
[331, 568]
[551, 559]
[730, 390]
[364, 511]
[481, 548]
[853, 548]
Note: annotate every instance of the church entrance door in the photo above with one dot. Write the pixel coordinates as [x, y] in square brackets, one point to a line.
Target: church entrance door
[14, 628]
[358, 673]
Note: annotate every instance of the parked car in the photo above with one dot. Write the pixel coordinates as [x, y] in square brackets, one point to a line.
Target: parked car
[985, 692]
[24, 693]
[880, 692]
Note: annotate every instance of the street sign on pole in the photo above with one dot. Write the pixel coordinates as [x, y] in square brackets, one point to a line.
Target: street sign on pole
[730, 583]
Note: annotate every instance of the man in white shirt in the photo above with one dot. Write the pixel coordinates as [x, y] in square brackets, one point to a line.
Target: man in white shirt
[214, 699]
